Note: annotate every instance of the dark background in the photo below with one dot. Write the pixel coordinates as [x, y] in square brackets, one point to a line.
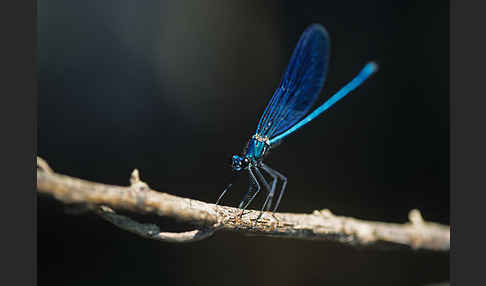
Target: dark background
[174, 88]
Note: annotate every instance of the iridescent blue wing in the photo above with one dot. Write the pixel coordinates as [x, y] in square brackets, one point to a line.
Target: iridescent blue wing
[300, 84]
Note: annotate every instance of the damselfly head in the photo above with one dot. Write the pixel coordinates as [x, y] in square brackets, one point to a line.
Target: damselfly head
[239, 163]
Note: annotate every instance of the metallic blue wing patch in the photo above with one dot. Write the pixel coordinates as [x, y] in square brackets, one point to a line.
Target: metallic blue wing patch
[300, 85]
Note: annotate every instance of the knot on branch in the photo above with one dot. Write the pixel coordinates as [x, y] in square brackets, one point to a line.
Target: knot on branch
[136, 184]
[326, 213]
[415, 217]
[42, 165]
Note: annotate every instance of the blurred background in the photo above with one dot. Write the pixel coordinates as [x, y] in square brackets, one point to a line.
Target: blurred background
[175, 88]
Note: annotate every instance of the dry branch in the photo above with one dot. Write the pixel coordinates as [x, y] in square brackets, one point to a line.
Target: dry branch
[320, 225]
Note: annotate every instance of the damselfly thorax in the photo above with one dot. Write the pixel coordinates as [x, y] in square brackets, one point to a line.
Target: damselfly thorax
[257, 147]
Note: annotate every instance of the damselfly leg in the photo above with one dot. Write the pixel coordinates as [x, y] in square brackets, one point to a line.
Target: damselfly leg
[267, 186]
[230, 184]
[248, 199]
[272, 172]
[268, 201]
[223, 193]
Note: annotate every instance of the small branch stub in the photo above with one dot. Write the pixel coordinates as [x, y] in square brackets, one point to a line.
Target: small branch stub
[136, 183]
[415, 217]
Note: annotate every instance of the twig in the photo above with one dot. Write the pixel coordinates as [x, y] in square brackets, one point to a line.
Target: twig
[42, 164]
[320, 225]
[152, 231]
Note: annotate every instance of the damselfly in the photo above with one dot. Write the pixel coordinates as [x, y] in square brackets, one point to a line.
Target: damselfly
[293, 98]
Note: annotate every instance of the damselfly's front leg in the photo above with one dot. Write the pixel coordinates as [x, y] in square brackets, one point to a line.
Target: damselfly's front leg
[247, 199]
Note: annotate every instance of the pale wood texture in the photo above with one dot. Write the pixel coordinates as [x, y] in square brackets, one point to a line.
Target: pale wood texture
[320, 225]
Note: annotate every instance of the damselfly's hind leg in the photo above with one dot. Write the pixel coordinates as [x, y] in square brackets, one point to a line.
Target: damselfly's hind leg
[247, 199]
[267, 186]
[272, 172]
[268, 201]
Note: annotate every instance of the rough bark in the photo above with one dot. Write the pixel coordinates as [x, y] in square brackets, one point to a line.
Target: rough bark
[208, 218]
